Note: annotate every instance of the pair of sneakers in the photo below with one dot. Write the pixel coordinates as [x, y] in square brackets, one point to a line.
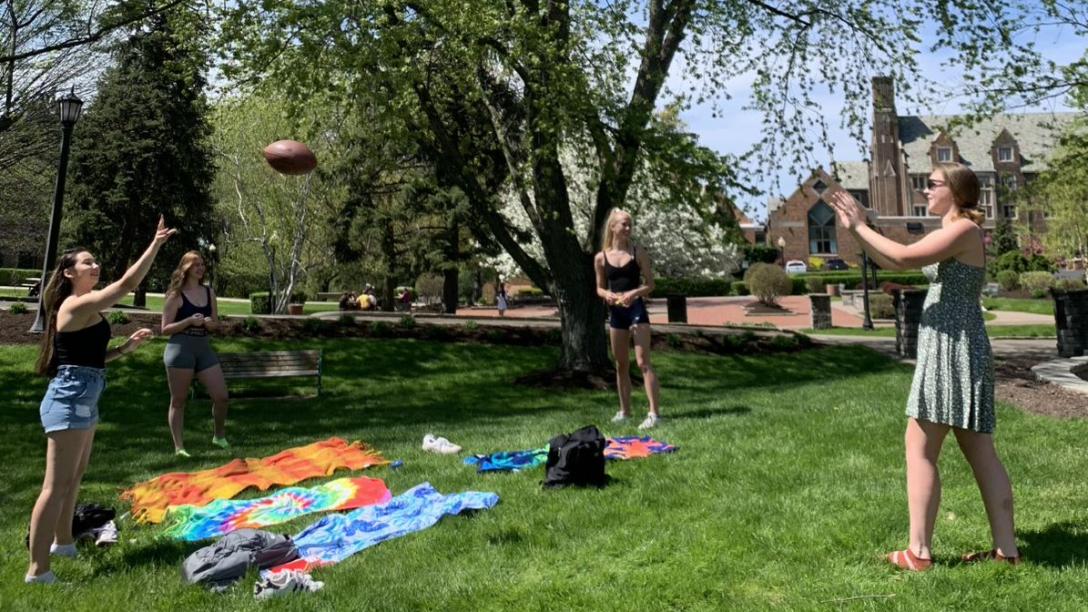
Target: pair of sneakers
[220, 442]
[651, 420]
[284, 583]
[441, 446]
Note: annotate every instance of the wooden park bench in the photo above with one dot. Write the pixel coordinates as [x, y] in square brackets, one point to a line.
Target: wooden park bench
[272, 364]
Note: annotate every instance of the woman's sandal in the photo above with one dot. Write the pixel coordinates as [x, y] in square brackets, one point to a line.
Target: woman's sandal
[990, 555]
[907, 560]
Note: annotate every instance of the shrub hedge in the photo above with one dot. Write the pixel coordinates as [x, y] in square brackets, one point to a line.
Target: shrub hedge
[712, 287]
[13, 277]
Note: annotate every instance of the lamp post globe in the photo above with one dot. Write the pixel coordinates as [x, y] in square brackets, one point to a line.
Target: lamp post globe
[69, 107]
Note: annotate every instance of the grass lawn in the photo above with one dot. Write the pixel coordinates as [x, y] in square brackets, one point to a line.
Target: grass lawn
[1043, 306]
[233, 308]
[787, 489]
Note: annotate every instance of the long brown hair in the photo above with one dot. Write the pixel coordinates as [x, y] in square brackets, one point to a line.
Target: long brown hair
[56, 291]
[963, 182]
[177, 279]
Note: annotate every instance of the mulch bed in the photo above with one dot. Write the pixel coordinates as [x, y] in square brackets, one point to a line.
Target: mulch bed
[1017, 385]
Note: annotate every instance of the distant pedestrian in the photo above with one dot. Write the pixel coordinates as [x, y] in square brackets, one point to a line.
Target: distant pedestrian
[501, 300]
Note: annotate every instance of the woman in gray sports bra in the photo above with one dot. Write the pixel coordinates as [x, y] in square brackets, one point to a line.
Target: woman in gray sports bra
[187, 316]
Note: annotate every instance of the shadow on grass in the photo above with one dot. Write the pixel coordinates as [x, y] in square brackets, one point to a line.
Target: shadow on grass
[1058, 545]
[705, 413]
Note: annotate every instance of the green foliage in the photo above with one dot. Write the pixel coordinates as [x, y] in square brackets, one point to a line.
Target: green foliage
[471, 326]
[690, 287]
[532, 292]
[260, 303]
[1009, 280]
[674, 341]
[815, 284]
[18, 308]
[1003, 239]
[346, 319]
[298, 297]
[815, 264]
[1070, 284]
[148, 150]
[881, 306]
[117, 317]
[1061, 190]
[13, 277]
[407, 322]
[738, 288]
[239, 283]
[767, 282]
[761, 253]
[251, 325]
[1037, 283]
[313, 326]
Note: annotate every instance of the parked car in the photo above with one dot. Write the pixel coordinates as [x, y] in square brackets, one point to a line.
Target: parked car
[796, 266]
[835, 264]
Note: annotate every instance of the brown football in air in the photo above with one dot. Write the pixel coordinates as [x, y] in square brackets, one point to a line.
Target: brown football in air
[290, 157]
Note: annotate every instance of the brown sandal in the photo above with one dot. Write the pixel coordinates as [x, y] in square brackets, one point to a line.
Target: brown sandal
[907, 560]
[990, 555]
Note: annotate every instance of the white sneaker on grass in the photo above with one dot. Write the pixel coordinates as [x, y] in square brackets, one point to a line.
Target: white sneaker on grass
[620, 417]
[63, 550]
[652, 420]
[442, 446]
[283, 583]
[46, 578]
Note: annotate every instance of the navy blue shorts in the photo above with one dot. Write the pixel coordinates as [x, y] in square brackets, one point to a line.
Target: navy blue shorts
[620, 317]
[71, 402]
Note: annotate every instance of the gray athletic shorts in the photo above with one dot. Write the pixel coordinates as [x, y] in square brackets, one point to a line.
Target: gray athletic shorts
[189, 353]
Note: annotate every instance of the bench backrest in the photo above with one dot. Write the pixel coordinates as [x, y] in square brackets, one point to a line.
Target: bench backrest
[284, 363]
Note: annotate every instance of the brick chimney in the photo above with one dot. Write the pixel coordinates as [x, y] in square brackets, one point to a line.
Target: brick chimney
[887, 182]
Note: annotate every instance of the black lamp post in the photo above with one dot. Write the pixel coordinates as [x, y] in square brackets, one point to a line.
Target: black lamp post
[868, 322]
[69, 106]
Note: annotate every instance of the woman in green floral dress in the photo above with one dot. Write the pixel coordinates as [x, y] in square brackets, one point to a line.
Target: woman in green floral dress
[953, 387]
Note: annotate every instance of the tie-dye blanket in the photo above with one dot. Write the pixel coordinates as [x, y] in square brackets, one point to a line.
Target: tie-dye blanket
[338, 536]
[151, 499]
[509, 461]
[222, 516]
[635, 447]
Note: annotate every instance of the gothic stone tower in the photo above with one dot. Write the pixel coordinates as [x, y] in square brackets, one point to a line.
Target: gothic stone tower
[887, 180]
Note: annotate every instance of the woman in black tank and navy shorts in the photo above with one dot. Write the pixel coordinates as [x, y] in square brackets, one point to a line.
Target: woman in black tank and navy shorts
[74, 353]
[624, 277]
[188, 315]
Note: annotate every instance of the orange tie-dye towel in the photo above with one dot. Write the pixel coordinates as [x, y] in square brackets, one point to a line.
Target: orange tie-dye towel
[151, 499]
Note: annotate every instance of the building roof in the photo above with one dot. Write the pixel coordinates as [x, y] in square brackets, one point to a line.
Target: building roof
[852, 175]
[1036, 134]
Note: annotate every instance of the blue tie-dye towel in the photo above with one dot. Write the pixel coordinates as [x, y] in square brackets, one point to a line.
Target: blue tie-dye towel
[509, 461]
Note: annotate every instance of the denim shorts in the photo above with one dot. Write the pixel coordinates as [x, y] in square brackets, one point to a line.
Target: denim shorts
[71, 402]
[620, 317]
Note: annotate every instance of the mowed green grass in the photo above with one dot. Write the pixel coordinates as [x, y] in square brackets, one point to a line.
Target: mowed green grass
[993, 331]
[786, 490]
[1044, 306]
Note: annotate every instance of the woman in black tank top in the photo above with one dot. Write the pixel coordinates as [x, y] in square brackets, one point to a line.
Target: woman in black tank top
[74, 353]
[187, 316]
[624, 277]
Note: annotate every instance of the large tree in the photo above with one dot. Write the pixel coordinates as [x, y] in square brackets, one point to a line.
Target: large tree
[552, 75]
[144, 150]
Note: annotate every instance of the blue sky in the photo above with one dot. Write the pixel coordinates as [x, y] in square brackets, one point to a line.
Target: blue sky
[736, 130]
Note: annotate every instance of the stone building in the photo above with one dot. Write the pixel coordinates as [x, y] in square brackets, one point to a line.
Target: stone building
[1007, 152]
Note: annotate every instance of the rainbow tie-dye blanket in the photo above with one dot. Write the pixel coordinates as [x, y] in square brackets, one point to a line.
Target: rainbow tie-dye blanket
[338, 536]
[222, 516]
[635, 447]
[151, 499]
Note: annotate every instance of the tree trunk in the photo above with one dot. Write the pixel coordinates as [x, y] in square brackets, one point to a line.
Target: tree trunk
[139, 299]
[450, 274]
[582, 315]
[389, 254]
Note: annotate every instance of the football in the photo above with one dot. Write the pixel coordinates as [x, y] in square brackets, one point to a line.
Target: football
[290, 157]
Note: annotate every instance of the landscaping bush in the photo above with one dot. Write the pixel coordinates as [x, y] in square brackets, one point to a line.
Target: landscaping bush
[429, 287]
[767, 282]
[407, 322]
[313, 325]
[239, 284]
[1070, 284]
[19, 308]
[251, 325]
[298, 297]
[815, 264]
[13, 277]
[1012, 260]
[881, 306]
[1037, 283]
[117, 317]
[1009, 280]
[760, 253]
[691, 287]
[738, 288]
[815, 284]
[346, 319]
[260, 303]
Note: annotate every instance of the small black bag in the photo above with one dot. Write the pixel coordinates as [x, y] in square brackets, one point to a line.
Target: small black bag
[576, 459]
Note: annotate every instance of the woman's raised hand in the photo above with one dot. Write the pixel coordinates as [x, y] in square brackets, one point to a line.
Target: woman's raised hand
[847, 209]
[162, 233]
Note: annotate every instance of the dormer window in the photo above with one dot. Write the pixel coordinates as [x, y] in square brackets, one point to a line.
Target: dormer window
[944, 154]
[1004, 154]
[819, 187]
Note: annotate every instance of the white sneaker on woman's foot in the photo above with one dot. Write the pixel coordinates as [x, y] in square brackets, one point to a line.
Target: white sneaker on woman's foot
[620, 417]
[63, 550]
[46, 578]
[651, 421]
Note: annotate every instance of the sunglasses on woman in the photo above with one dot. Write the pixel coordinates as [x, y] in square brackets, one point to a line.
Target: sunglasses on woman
[932, 184]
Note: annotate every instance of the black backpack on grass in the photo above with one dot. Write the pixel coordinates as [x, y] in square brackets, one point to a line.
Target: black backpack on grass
[576, 459]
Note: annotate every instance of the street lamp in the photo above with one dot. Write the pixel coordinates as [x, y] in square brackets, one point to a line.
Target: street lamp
[69, 107]
[782, 248]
